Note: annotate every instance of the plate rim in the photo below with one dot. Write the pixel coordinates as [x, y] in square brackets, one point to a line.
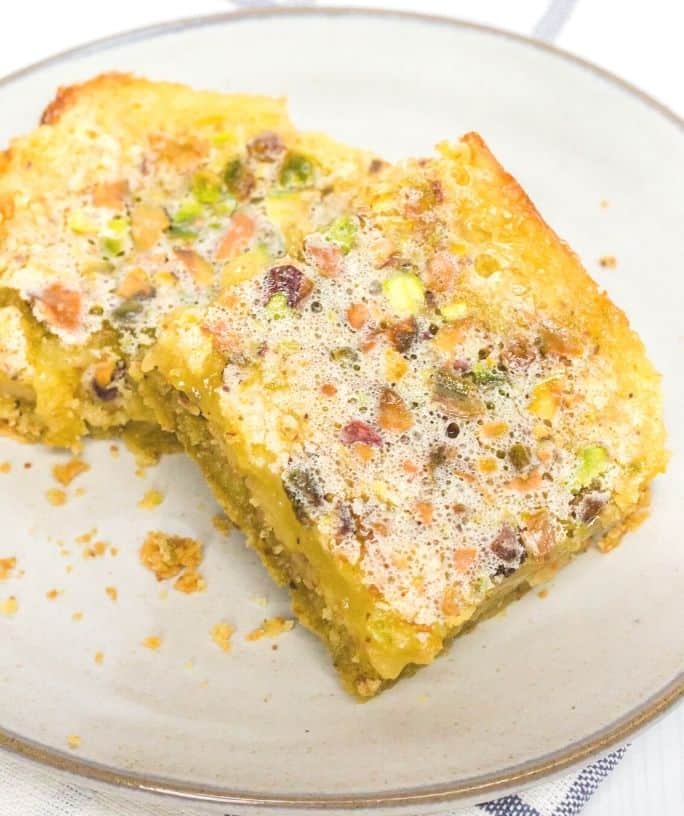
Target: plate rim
[486, 785]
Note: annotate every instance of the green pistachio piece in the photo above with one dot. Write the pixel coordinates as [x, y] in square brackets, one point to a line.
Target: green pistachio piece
[238, 178]
[343, 232]
[519, 456]
[296, 171]
[456, 393]
[206, 187]
[483, 374]
[181, 232]
[405, 293]
[277, 306]
[189, 210]
[593, 461]
[127, 309]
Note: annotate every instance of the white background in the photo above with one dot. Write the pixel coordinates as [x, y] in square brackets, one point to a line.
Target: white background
[640, 41]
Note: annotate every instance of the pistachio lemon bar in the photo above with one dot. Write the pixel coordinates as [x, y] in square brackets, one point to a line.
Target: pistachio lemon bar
[399, 382]
[420, 412]
[131, 198]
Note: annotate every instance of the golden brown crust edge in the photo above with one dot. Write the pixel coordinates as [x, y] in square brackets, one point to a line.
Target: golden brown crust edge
[570, 293]
[68, 96]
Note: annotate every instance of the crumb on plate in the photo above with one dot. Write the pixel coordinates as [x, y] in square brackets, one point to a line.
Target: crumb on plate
[271, 627]
[53, 594]
[221, 634]
[99, 658]
[543, 593]
[73, 741]
[7, 565]
[77, 616]
[9, 606]
[151, 499]
[608, 261]
[112, 593]
[98, 549]
[114, 451]
[190, 581]
[68, 471]
[152, 642]
[170, 556]
[56, 496]
[222, 523]
[5, 467]
[259, 600]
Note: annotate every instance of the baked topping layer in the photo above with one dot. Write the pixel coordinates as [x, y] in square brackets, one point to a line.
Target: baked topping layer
[433, 404]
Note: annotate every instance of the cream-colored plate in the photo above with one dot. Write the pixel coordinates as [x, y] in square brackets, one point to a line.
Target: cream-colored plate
[527, 694]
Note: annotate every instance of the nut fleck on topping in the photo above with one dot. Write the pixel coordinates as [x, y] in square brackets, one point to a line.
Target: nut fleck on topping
[289, 281]
[357, 431]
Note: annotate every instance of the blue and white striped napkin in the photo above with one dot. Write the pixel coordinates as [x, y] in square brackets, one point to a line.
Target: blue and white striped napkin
[563, 797]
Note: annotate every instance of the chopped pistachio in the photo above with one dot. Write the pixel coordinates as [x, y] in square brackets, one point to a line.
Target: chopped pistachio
[593, 462]
[482, 584]
[304, 492]
[545, 398]
[277, 306]
[206, 187]
[244, 267]
[81, 224]
[456, 310]
[112, 246]
[393, 413]
[114, 237]
[185, 234]
[127, 309]
[486, 375]
[405, 292]
[456, 393]
[189, 210]
[226, 206]
[297, 171]
[344, 355]
[519, 456]
[342, 232]
[118, 225]
[238, 178]
[220, 139]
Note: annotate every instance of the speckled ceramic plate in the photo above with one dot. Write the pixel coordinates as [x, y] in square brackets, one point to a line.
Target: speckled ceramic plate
[528, 694]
